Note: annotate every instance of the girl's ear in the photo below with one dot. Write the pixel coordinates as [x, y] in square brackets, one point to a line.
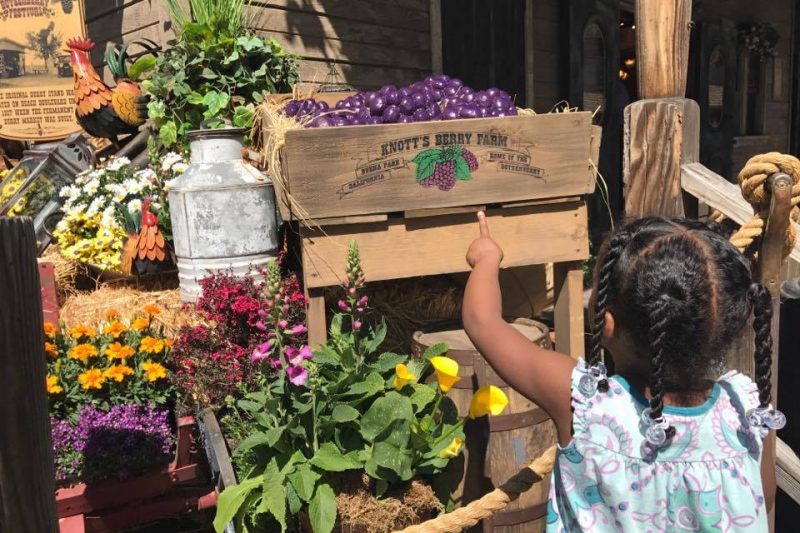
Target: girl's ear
[609, 326]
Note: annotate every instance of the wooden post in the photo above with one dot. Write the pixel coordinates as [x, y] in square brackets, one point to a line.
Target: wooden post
[568, 316]
[662, 47]
[530, 38]
[437, 61]
[27, 477]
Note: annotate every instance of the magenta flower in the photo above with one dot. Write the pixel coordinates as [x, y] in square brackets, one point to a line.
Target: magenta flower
[298, 329]
[261, 352]
[296, 357]
[356, 325]
[343, 306]
[283, 324]
[297, 375]
[351, 291]
[363, 301]
[260, 325]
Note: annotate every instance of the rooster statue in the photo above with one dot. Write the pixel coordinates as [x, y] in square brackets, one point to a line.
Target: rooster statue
[102, 111]
[145, 246]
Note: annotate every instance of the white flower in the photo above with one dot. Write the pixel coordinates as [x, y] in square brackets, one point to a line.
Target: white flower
[135, 205]
[170, 159]
[156, 205]
[117, 163]
[95, 206]
[70, 192]
[179, 168]
[77, 208]
[146, 175]
[133, 186]
[108, 216]
[92, 187]
[169, 184]
[62, 226]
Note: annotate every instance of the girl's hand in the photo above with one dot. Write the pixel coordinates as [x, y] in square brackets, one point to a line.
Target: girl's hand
[483, 248]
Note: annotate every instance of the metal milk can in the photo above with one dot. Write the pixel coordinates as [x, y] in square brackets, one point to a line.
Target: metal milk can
[223, 212]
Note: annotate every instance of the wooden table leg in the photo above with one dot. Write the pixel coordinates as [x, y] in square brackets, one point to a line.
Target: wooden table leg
[317, 324]
[569, 308]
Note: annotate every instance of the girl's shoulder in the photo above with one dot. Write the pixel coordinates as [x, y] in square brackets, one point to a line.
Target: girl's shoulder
[610, 421]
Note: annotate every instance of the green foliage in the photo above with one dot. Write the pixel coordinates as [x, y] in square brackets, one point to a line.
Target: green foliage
[214, 71]
[352, 415]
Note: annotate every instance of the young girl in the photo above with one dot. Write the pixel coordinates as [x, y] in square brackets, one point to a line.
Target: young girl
[671, 442]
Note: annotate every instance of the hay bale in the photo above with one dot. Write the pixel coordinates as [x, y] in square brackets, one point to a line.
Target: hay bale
[90, 307]
[67, 272]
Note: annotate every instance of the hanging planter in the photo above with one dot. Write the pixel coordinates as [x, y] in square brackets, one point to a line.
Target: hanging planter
[761, 39]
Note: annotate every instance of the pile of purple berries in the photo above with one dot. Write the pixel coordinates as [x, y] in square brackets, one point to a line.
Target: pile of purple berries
[435, 98]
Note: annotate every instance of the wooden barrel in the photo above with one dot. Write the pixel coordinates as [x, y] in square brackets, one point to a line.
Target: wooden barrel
[497, 447]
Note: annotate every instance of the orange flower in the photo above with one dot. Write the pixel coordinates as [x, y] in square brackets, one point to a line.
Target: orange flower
[50, 349]
[140, 324]
[119, 351]
[118, 372]
[91, 379]
[115, 329]
[151, 345]
[169, 343]
[52, 385]
[112, 314]
[82, 352]
[50, 329]
[154, 371]
[82, 331]
[151, 309]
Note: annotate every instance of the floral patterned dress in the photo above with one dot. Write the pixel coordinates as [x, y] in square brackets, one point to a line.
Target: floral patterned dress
[707, 478]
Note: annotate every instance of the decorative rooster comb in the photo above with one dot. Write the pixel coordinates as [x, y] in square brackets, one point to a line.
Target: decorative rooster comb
[82, 44]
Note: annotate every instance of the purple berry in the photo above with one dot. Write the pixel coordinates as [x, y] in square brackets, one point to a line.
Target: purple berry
[407, 105]
[291, 108]
[421, 115]
[391, 114]
[472, 161]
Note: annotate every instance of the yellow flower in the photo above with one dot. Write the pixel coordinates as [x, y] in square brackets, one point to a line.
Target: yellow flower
[151, 309]
[91, 379]
[140, 324]
[50, 329]
[119, 351]
[50, 349]
[151, 345]
[446, 372]
[115, 329]
[112, 314]
[487, 400]
[453, 449]
[169, 343]
[52, 385]
[154, 371]
[82, 352]
[82, 331]
[402, 376]
[118, 372]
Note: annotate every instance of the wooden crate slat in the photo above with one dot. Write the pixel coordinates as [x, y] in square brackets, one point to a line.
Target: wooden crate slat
[401, 248]
[368, 169]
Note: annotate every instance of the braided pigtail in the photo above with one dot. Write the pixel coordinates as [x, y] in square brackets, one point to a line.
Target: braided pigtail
[763, 415]
[658, 429]
[595, 360]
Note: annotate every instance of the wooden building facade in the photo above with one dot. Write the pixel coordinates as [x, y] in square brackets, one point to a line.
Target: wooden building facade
[578, 52]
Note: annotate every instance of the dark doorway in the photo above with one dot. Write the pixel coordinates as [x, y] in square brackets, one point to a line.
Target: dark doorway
[483, 43]
[595, 85]
[712, 84]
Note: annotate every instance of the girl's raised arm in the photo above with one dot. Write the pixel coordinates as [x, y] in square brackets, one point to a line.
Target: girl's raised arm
[541, 375]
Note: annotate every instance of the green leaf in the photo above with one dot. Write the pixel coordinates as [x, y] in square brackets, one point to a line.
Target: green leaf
[208, 74]
[325, 355]
[243, 116]
[322, 509]
[268, 438]
[168, 134]
[215, 102]
[233, 56]
[388, 361]
[194, 98]
[303, 480]
[249, 43]
[249, 406]
[345, 413]
[422, 396]
[330, 459]
[140, 66]
[293, 500]
[426, 163]
[273, 499]
[396, 459]
[336, 325]
[436, 350]
[373, 384]
[383, 412]
[462, 169]
[231, 500]
[296, 457]
[376, 337]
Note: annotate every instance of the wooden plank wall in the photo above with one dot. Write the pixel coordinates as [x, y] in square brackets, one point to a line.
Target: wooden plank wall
[373, 42]
[549, 54]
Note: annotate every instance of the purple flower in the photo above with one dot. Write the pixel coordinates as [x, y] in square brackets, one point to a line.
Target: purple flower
[298, 329]
[296, 357]
[343, 306]
[261, 352]
[297, 375]
[356, 325]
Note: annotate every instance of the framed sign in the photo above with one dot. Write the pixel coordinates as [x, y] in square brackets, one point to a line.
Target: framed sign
[36, 92]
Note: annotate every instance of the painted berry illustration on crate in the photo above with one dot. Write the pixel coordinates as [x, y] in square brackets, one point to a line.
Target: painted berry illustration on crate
[444, 167]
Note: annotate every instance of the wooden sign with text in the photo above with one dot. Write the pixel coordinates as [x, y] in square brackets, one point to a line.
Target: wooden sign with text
[36, 98]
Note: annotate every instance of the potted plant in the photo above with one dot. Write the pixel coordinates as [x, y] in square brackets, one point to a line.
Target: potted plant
[214, 71]
[342, 412]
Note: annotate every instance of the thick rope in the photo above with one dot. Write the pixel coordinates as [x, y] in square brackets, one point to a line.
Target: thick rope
[753, 181]
[468, 516]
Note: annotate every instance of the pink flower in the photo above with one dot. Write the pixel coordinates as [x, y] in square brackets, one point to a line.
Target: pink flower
[260, 325]
[360, 309]
[283, 324]
[297, 375]
[298, 329]
[363, 301]
[261, 352]
[343, 306]
[296, 357]
[352, 291]
[356, 325]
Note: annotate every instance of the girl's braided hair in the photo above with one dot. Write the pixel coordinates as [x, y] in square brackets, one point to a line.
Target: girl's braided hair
[683, 294]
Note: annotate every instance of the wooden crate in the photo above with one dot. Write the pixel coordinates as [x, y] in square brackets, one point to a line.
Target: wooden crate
[364, 170]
